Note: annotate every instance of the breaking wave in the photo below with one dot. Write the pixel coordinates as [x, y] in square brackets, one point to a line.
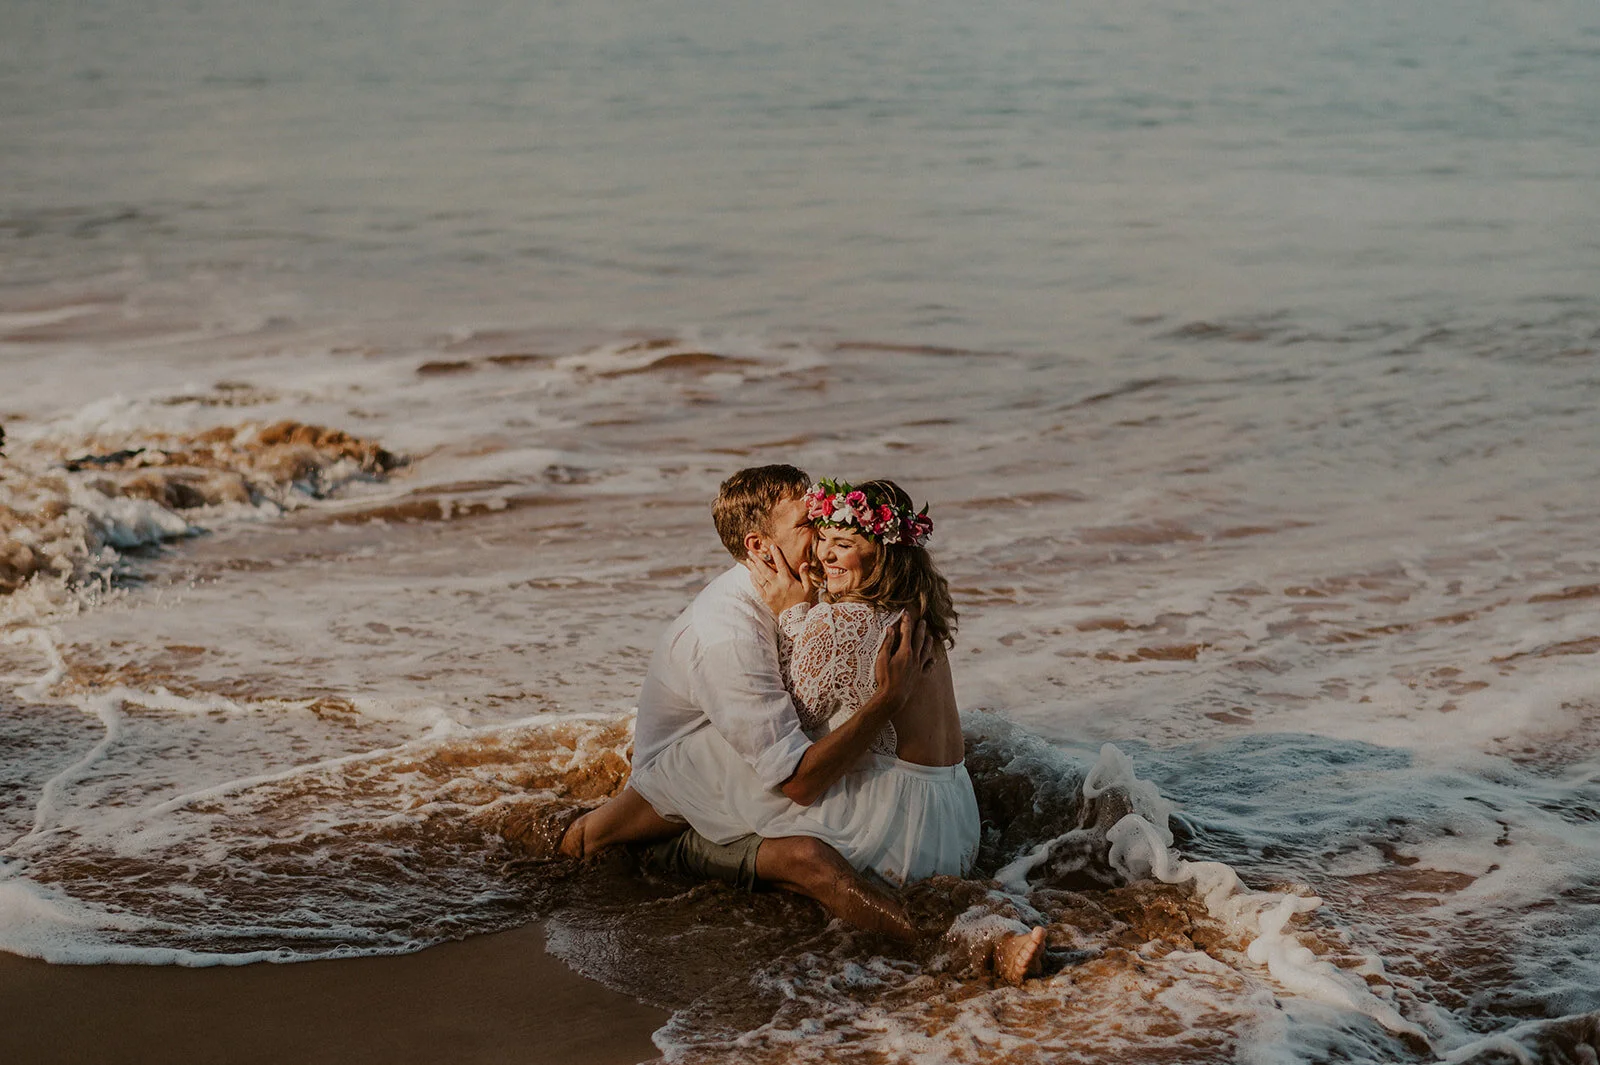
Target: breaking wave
[69, 505]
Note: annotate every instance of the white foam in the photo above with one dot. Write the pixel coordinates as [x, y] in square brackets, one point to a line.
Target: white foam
[158, 823]
[126, 523]
[11, 321]
[48, 809]
[43, 643]
[37, 923]
[1396, 617]
[1141, 848]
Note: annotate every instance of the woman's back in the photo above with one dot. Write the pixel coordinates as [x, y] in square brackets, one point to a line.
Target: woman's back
[829, 670]
[928, 729]
[907, 811]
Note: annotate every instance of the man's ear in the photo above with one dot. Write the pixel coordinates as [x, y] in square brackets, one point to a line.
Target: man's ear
[754, 544]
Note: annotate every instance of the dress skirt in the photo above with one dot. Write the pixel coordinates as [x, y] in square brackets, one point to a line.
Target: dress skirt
[901, 820]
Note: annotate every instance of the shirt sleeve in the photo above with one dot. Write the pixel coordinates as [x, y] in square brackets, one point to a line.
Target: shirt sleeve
[739, 686]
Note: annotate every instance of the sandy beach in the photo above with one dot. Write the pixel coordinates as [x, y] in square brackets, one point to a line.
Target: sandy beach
[495, 998]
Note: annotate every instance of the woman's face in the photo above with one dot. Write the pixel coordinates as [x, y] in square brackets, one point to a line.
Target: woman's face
[846, 559]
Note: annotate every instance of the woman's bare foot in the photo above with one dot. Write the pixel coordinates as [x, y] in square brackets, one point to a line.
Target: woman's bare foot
[1020, 956]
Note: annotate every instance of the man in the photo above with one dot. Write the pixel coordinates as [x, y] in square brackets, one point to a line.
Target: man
[717, 666]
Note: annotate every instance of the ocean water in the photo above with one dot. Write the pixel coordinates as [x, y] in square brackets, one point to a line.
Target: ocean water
[366, 371]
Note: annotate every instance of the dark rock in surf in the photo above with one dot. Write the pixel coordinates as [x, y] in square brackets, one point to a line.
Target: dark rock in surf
[116, 458]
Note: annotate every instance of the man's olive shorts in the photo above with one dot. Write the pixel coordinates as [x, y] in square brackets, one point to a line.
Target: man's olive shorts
[691, 854]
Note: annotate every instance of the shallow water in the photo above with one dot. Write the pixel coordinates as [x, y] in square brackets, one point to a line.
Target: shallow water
[1247, 356]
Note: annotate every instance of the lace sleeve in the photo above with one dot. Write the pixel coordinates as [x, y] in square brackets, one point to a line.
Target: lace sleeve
[792, 622]
[831, 664]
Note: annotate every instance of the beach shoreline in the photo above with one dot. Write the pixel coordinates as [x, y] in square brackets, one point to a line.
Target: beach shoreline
[495, 998]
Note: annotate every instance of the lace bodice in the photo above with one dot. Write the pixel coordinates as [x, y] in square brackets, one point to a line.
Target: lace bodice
[828, 652]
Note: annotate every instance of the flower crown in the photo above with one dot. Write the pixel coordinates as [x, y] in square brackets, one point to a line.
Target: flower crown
[835, 504]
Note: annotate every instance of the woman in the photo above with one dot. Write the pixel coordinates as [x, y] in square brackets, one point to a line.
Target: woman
[909, 811]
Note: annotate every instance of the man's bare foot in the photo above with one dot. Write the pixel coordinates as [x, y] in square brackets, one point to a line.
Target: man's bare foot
[1018, 957]
[624, 818]
[539, 830]
[573, 844]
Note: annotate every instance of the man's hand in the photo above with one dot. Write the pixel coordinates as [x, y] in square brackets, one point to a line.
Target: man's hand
[906, 654]
[780, 584]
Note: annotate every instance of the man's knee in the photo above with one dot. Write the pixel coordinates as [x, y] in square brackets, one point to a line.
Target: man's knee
[801, 860]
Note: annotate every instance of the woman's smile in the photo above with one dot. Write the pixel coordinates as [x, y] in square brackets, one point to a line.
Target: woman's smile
[845, 557]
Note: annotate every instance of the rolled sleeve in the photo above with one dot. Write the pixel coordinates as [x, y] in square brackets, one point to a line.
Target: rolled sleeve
[738, 685]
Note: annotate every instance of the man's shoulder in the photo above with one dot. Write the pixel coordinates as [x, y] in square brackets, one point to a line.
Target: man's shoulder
[728, 608]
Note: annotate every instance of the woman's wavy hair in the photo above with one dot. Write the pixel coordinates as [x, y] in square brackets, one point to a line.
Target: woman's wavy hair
[903, 577]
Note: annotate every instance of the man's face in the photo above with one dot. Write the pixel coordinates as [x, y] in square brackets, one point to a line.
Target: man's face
[790, 530]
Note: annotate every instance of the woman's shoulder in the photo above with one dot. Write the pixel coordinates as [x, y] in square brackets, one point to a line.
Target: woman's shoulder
[854, 609]
[852, 619]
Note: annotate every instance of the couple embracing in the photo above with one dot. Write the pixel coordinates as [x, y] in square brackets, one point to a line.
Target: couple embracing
[798, 726]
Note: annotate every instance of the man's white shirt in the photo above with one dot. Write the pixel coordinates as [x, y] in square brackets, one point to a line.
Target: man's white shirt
[717, 666]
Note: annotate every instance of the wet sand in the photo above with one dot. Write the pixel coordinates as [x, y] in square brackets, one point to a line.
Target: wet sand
[497, 998]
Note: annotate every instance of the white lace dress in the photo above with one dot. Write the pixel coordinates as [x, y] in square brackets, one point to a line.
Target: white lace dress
[902, 820]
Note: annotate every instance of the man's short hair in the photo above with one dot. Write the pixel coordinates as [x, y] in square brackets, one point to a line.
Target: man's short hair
[745, 501]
